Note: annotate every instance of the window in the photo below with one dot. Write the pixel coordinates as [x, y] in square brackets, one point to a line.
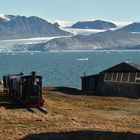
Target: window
[114, 76]
[125, 77]
[119, 78]
[132, 77]
[138, 77]
[138, 74]
[138, 81]
[129, 77]
[108, 76]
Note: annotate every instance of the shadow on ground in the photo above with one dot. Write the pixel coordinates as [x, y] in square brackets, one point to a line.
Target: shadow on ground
[84, 135]
[65, 90]
[8, 102]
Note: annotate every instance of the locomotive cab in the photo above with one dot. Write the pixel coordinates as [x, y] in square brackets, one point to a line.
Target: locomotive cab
[31, 93]
[27, 89]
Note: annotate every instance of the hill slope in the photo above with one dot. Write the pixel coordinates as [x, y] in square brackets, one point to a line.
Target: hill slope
[105, 40]
[15, 27]
[134, 27]
[97, 24]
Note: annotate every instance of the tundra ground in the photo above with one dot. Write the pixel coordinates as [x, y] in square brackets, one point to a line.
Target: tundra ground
[71, 117]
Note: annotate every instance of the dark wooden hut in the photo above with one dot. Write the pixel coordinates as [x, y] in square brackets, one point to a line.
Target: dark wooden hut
[120, 80]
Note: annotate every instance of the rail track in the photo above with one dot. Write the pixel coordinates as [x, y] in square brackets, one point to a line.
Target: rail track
[38, 110]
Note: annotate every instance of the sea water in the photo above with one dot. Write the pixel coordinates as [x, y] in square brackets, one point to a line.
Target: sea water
[63, 68]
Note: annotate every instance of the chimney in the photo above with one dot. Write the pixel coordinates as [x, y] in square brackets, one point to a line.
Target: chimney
[33, 77]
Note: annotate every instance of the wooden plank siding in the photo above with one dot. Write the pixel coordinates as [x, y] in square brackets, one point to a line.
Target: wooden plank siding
[120, 80]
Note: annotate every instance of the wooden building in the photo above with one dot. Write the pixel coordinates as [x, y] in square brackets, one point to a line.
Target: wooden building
[120, 80]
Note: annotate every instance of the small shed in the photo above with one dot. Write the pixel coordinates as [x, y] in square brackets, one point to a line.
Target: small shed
[120, 80]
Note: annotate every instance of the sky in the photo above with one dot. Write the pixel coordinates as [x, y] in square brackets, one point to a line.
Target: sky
[74, 10]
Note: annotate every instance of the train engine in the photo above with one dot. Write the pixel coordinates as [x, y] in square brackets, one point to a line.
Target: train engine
[27, 89]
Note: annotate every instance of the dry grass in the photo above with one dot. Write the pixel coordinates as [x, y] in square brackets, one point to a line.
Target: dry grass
[68, 113]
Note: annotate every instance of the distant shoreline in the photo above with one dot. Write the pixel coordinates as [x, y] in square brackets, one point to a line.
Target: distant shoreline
[73, 51]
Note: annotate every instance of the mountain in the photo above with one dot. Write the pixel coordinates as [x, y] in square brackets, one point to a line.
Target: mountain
[16, 27]
[105, 40]
[56, 24]
[134, 27]
[97, 24]
[3, 18]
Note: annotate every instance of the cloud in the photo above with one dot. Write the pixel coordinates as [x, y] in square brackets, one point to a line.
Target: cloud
[122, 23]
[65, 23]
[62, 23]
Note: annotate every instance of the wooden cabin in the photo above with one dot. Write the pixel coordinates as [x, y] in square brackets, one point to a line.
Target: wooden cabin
[120, 80]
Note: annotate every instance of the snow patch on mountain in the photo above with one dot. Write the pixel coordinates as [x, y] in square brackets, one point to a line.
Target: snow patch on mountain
[3, 16]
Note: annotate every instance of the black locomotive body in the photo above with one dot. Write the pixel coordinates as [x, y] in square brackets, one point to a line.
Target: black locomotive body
[25, 88]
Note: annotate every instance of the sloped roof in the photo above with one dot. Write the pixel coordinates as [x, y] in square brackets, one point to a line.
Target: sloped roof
[137, 66]
[90, 76]
[126, 66]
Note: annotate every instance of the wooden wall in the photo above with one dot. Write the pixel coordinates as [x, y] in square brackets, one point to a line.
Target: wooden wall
[131, 90]
[104, 88]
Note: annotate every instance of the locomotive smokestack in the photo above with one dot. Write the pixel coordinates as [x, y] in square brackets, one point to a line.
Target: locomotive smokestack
[33, 77]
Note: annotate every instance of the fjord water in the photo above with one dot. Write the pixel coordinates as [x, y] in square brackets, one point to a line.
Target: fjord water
[63, 68]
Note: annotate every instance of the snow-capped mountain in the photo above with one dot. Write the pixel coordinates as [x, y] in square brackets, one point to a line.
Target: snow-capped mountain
[97, 24]
[21, 33]
[117, 39]
[15, 27]
[4, 17]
